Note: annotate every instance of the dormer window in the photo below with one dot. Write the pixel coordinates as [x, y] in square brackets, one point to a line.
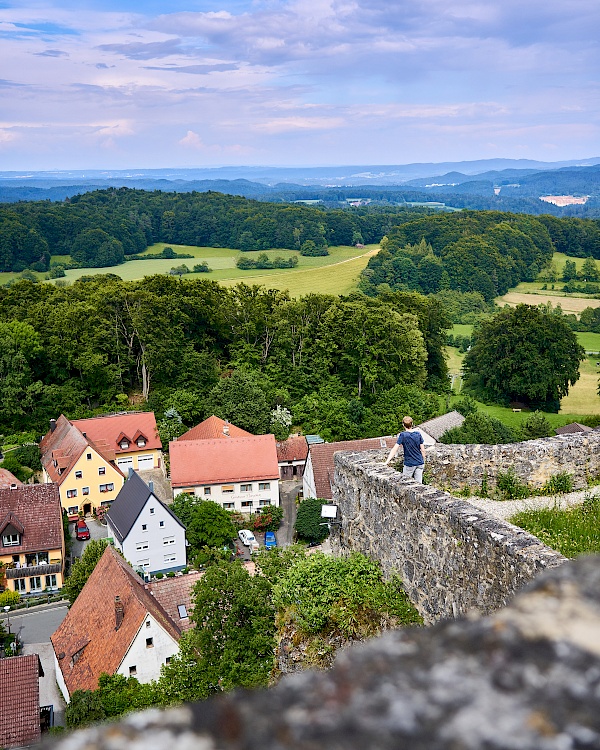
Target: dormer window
[141, 442]
[11, 540]
[124, 444]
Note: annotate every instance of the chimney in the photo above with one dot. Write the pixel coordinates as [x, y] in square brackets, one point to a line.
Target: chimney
[52, 425]
[119, 612]
[226, 428]
[151, 486]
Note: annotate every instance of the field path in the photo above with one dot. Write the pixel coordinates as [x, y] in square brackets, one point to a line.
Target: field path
[568, 304]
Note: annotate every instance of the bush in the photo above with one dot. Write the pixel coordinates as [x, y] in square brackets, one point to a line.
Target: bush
[558, 484]
[269, 520]
[466, 406]
[12, 464]
[536, 425]
[510, 487]
[9, 598]
[202, 267]
[311, 249]
[29, 455]
[310, 527]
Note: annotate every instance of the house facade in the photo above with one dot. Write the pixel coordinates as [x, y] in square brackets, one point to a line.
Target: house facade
[131, 436]
[115, 626]
[240, 474]
[145, 530]
[32, 545]
[85, 472]
[291, 457]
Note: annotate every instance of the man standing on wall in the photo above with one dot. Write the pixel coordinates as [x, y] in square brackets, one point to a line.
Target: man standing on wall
[414, 451]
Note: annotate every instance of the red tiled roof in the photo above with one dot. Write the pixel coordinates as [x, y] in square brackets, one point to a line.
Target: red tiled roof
[195, 462]
[36, 507]
[90, 623]
[109, 429]
[321, 457]
[572, 428]
[292, 449]
[65, 445]
[171, 592]
[6, 478]
[212, 429]
[20, 691]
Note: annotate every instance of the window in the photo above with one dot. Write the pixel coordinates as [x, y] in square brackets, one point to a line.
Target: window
[264, 485]
[143, 563]
[246, 503]
[72, 510]
[106, 503]
[132, 670]
[168, 540]
[207, 490]
[107, 487]
[11, 540]
[149, 642]
[89, 456]
[161, 524]
[226, 488]
[37, 558]
[172, 558]
[141, 545]
[264, 502]
[151, 511]
[71, 493]
[35, 583]
[19, 584]
[245, 488]
[229, 506]
[124, 444]
[141, 442]
[148, 623]
[144, 527]
[85, 491]
[75, 657]
[182, 611]
[168, 660]
[51, 582]
[101, 471]
[78, 475]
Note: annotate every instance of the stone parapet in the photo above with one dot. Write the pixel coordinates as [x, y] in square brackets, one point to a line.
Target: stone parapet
[452, 557]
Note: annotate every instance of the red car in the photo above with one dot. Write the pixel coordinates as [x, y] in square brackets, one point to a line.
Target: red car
[81, 531]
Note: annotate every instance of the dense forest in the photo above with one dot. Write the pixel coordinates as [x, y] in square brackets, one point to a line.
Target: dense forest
[346, 366]
[484, 251]
[104, 227]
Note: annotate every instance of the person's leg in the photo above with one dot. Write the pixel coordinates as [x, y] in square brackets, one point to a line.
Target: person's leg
[418, 474]
[409, 471]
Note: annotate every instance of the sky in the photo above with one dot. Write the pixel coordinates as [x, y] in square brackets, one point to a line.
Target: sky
[118, 84]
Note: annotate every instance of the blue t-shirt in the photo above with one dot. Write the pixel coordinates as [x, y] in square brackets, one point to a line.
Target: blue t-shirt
[411, 441]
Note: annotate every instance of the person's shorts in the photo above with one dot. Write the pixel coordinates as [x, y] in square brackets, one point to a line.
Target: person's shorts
[414, 472]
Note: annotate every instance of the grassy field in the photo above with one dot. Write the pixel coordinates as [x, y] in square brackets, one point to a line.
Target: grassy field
[336, 273]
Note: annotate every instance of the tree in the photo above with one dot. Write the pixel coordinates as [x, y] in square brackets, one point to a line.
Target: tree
[589, 270]
[281, 421]
[479, 428]
[526, 355]
[207, 524]
[310, 527]
[241, 400]
[83, 568]
[85, 707]
[570, 271]
[536, 425]
[170, 426]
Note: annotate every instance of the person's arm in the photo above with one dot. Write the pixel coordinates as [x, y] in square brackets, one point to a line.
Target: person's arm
[392, 453]
[423, 451]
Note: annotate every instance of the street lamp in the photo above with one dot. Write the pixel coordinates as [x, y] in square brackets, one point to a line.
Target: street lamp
[7, 610]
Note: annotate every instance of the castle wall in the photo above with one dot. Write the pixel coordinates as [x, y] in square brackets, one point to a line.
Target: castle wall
[451, 556]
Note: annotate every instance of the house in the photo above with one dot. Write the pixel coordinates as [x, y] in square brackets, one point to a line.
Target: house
[143, 528]
[32, 545]
[291, 457]
[20, 717]
[175, 597]
[85, 471]
[240, 473]
[115, 626]
[132, 435]
[571, 428]
[214, 428]
[433, 429]
[8, 480]
[318, 474]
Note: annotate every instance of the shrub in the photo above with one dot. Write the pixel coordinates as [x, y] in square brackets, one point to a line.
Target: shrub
[160, 575]
[202, 267]
[171, 574]
[309, 526]
[510, 487]
[536, 425]
[9, 598]
[558, 484]
[269, 520]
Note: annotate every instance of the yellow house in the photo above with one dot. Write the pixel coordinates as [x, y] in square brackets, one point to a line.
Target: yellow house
[85, 473]
[32, 545]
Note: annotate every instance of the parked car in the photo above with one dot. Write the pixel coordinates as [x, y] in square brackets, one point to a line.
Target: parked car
[270, 540]
[81, 531]
[248, 538]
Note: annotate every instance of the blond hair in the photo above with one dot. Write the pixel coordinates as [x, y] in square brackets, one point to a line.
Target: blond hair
[407, 422]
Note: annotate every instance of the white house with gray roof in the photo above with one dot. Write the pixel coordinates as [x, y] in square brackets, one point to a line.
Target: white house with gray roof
[433, 429]
[145, 530]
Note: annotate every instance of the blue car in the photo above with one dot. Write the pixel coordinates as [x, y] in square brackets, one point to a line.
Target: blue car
[270, 540]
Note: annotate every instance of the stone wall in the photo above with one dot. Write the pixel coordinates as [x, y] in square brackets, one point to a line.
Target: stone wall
[451, 556]
[527, 677]
[533, 461]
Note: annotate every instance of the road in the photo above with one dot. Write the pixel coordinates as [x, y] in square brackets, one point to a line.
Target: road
[288, 492]
[37, 624]
[97, 531]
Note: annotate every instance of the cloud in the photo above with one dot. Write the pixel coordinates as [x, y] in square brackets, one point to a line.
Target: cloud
[196, 69]
[192, 140]
[52, 53]
[144, 50]
[288, 124]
